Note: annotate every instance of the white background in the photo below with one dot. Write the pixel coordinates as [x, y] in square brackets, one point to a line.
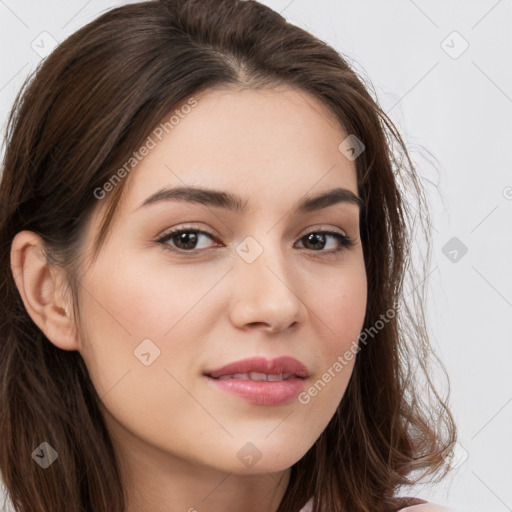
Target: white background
[456, 107]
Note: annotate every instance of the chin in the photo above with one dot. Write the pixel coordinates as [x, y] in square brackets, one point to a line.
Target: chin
[252, 459]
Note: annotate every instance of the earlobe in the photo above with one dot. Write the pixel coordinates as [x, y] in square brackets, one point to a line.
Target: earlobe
[41, 288]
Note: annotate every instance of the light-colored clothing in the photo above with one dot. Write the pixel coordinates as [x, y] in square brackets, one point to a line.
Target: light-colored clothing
[427, 507]
[424, 507]
[308, 507]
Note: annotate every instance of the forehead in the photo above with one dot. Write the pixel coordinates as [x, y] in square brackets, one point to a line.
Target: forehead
[268, 146]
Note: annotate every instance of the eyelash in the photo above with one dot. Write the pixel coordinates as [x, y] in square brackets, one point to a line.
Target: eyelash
[345, 241]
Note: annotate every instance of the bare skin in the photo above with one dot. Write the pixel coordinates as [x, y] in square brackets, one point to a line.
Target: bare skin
[178, 435]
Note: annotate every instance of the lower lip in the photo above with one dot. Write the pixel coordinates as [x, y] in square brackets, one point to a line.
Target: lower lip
[262, 392]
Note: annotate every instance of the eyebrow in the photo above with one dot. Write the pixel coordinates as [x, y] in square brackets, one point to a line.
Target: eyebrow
[226, 200]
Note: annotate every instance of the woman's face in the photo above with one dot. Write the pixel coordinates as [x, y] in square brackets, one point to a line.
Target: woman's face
[160, 316]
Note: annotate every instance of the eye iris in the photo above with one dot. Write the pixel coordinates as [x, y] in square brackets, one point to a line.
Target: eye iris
[188, 238]
[315, 237]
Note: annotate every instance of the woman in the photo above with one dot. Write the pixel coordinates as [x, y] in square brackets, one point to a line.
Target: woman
[204, 244]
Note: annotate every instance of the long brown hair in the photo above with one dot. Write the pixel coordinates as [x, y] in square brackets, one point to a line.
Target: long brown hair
[75, 121]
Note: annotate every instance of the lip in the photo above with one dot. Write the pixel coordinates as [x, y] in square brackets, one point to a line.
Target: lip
[262, 392]
[283, 364]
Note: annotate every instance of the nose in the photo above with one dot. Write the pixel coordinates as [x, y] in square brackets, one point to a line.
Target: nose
[267, 293]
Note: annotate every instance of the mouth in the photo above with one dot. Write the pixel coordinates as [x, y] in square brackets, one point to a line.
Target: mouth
[258, 376]
[261, 381]
[260, 368]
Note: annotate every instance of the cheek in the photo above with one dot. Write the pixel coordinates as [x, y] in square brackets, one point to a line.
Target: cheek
[341, 307]
[339, 312]
[145, 299]
[127, 301]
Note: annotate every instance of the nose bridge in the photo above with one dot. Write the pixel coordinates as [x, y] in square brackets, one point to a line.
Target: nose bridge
[266, 288]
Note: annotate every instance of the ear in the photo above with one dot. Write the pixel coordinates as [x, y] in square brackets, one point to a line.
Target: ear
[42, 289]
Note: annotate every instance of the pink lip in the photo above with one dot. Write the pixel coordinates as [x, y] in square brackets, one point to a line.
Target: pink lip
[283, 364]
[262, 392]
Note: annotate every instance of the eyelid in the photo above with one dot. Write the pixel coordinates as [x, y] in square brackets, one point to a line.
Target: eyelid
[186, 227]
[315, 228]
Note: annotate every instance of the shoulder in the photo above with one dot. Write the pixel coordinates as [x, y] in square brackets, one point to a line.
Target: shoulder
[426, 507]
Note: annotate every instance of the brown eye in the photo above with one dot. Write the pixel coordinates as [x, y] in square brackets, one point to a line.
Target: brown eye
[317, 241]
[184, 239]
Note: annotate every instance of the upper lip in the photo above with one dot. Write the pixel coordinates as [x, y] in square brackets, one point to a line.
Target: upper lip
[276, 366]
